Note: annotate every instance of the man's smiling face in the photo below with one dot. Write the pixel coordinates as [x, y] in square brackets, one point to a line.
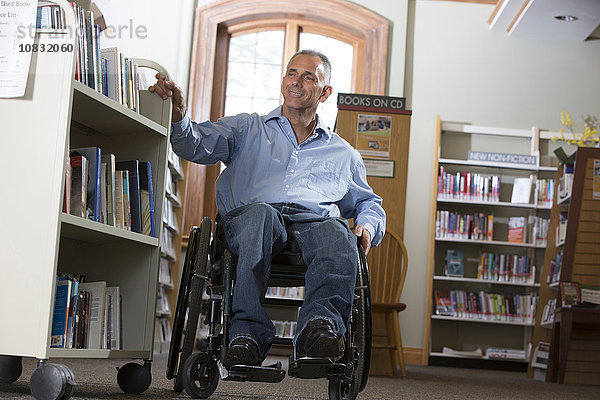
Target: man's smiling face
[303, 86]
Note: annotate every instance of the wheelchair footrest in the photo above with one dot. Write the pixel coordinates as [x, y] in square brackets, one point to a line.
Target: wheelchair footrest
[313, 368]
[270, 373]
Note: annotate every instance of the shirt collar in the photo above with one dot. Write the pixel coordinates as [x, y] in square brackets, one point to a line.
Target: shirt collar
[321, 127]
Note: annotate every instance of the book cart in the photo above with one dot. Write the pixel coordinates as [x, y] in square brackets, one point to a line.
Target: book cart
[494, 334]
[39, 240]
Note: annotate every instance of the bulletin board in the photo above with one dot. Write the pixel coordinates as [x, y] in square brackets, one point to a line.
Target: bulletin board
[379, 128]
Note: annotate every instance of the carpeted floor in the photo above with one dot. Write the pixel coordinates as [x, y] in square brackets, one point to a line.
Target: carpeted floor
[96, 379]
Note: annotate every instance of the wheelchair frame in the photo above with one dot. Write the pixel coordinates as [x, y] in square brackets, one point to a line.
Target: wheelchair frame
[206, 287]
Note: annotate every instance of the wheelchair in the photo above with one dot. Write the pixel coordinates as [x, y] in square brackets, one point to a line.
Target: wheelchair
[206, 290]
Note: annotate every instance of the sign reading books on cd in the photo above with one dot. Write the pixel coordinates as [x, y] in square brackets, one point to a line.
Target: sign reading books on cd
[376, 129]
[352, 101]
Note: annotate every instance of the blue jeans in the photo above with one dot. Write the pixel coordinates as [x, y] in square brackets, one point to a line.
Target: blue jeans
[257, 232]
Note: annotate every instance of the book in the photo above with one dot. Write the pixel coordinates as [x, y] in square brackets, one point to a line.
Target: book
[79, 173]
[501, 352]
[134, 192]
[58, 335]
[590, 294]
[462, 353]
[67, 193]
[521, 190]
[119, 207]
[569, 292]
[113, 322]
[81, 321]
[454, 263]
[443, 303]
[97, 291]
[103, 194]
[541, 355]
[113, 73]
[147, 198]
[94, 156]
[490, 228]
[73, 304]
[516, 229]
[110, 177]
[126, 201]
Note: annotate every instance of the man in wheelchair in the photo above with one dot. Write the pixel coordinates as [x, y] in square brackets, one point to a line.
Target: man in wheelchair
[287, 173]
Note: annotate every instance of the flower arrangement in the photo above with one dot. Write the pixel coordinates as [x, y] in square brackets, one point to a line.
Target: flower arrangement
[589, 137]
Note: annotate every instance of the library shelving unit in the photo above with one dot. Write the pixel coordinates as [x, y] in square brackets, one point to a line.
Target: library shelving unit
[572, 332]
[478, 331]
[282, 305]
[170, 271]
[39, 240]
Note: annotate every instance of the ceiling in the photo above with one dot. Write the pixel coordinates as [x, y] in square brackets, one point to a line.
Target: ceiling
[522, 18]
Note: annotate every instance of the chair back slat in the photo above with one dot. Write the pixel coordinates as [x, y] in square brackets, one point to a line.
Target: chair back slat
[387, 269]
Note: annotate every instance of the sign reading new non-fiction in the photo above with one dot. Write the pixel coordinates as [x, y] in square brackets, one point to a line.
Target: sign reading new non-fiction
[351, 100]
[524, 159]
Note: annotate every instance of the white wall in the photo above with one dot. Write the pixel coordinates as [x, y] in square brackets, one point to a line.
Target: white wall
[153, 29]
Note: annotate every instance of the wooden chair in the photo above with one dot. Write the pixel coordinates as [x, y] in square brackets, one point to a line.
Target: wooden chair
[387, 269]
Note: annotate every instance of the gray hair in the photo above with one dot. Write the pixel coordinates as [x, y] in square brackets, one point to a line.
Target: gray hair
[324, 60]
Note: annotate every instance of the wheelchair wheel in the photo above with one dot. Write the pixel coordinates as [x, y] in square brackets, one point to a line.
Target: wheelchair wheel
[200, 376]
[365, 305]
[340, 389]
[189, 301]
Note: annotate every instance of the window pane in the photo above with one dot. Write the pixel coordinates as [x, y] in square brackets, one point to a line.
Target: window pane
[340, 55]
[254, 72]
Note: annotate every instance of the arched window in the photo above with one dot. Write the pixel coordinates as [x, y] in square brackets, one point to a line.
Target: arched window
[241, 47]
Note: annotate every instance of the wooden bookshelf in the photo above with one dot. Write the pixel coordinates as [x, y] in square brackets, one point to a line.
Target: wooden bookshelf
[575, 360]
[39, 240]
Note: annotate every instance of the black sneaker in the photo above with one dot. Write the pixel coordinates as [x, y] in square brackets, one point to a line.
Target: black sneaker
[242, 351]
[318, 340]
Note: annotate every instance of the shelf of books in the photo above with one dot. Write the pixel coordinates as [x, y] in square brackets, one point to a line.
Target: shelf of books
[282, 305]
[170, 257]
[84, 230]
[492, 195]
[570, 276]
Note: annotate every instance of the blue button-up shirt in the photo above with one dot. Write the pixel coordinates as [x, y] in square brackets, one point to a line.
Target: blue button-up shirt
[265, 163]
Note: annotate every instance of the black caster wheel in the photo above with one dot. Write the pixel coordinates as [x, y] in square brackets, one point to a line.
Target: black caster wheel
[134, 378]
[52, 382]
[10, 368]
[342, 390]
[178, 383]
[200, 376]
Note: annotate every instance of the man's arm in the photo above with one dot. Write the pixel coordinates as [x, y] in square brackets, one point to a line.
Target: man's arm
[364, 206]
[203, 143]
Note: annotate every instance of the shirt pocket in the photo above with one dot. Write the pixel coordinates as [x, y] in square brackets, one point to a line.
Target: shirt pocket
[326, 178]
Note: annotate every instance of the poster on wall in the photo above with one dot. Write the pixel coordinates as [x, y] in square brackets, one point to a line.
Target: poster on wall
[380, 168]
[17, 33]
[373, 135]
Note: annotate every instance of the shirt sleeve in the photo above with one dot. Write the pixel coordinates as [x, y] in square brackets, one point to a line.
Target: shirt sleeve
[363, 205]
[207, 142]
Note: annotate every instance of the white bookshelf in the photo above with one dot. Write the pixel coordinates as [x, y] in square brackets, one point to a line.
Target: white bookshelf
[39, 240]
[453, 143]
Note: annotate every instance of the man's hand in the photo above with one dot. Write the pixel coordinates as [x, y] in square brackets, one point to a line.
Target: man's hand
[365, 237]
[165, 89]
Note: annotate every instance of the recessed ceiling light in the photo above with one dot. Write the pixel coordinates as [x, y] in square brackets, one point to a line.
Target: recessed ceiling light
[566, 18]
